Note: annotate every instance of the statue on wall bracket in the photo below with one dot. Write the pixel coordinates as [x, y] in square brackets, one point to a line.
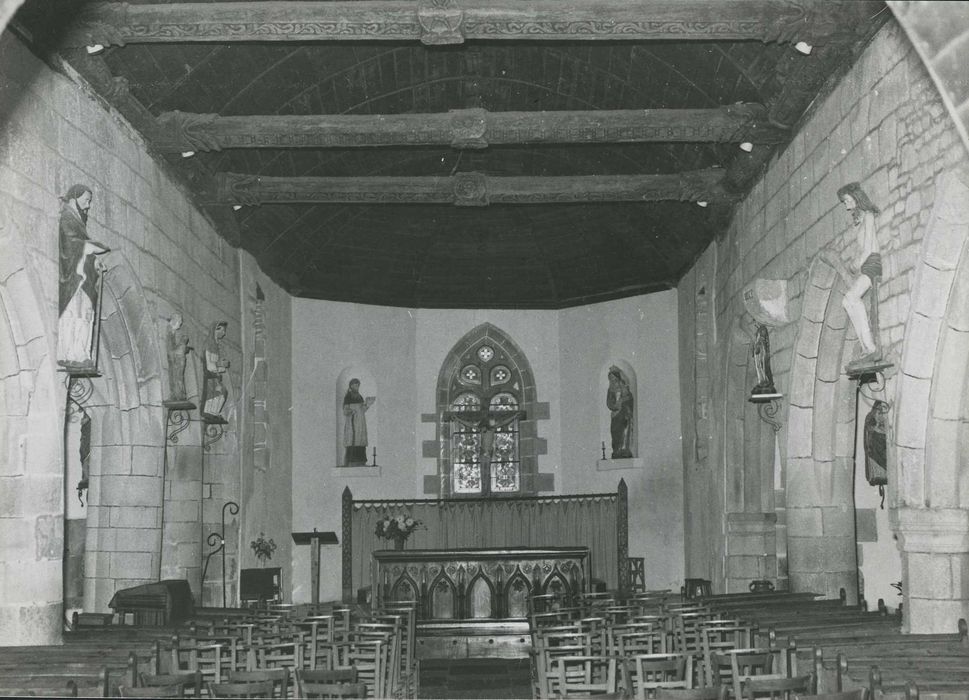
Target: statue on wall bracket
[178, 348]
[867, 268]
[80, 282]
[214, 368]
[764, 390]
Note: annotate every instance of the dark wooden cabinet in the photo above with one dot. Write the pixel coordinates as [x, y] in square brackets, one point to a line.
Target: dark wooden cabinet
[260, 585]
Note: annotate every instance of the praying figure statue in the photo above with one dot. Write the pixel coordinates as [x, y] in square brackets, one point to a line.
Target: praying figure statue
[760, 351]
[619, 401]
[355, 409]
[178, 349]
[79, 284]
[868, 268]
[214, 367]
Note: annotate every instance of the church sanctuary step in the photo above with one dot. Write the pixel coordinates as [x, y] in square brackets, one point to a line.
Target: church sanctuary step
[467, 639]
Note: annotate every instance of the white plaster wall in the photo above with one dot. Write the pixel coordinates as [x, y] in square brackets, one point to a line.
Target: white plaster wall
[403, 350]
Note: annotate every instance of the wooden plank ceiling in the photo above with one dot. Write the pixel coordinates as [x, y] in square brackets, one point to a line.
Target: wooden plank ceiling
[463, 153]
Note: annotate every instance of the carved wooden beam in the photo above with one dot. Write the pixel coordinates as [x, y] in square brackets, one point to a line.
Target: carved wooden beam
[466, 128]
[455, 21]
[469, 189]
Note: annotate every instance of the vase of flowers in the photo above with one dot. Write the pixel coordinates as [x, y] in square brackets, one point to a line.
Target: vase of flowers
[263, 548]
[397, 528]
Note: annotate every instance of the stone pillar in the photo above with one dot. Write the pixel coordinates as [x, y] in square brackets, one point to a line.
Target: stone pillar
[935, 568]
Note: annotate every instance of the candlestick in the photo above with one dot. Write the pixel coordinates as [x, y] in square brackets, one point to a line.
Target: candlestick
[374, 462]
[603, 449]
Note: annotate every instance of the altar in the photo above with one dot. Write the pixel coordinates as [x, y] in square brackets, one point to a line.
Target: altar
[473, 602]
[478, 584]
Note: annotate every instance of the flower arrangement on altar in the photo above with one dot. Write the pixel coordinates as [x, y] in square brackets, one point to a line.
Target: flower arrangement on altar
[397, 528]
[263, 548]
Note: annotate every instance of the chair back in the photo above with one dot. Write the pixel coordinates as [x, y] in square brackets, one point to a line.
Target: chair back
[279, 677]
[858, 694]
[160, 691]
[190, 681]
[732, 665]
[710, 692]
[777, 687]
[644, 674]
[332, 691]
[241, 690]
[586, 675]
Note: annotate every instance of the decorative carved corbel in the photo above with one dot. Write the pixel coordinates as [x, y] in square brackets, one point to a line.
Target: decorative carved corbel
[440, 22]
[190, 131]
[468, 127]
[470, 190]
[99, 24]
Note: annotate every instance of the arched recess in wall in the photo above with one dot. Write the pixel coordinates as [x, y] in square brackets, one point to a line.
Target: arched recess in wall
[932, 424]
[605, 415]
[31, 414]
[124, 516]
[492, 352]
[748, 487]
[819, 468]
[368, 387]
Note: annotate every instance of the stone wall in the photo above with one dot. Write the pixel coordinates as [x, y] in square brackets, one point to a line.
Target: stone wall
[882, 125]
[166, 256]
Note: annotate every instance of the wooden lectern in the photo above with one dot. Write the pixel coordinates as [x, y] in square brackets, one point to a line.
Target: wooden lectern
[315, 539]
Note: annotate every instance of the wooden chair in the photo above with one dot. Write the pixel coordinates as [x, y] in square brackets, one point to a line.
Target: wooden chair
[720, 638]
[241, 690]
[333, 691]
[160, 691]
[586, 675]
[188, 680]
[643, 674]
[730, 666]
[777, 687]
[636, 573]
[710, 692]
[859, 694]
[279, 677]
[325, 677]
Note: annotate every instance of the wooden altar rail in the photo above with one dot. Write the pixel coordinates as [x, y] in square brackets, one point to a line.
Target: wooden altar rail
[597, 521]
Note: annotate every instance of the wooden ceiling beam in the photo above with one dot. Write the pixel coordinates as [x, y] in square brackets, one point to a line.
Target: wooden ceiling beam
[435, 22]
[466, 128]
[470, 189]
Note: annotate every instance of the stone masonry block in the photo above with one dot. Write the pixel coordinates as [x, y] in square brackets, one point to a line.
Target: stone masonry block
[947, 403]
[802, 484]
[131, 491]
[142, 516]
[147, 461]
[136, 540]
[805, 522]
[933, 616]
[131, 565]
[934, 287]
[929, 576]
[801, 389]
[804, 554]
[945, 459]
[808, 338]
[838, 553]
[911, 470]
[838, 521]
[922, 340]
[799, 430]
[185, 490]
[913, 411]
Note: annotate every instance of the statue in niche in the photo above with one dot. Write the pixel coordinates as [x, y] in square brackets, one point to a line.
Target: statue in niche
[760, 351]
[178, 350]
[619, 401]
[214, 367]
[355, 409]
[868, 268]
[79, 284]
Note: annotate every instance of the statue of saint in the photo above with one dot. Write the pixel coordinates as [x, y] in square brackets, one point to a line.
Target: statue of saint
[79, 283]
[868, 268]
[355, 409]
[214, 367]
[619, 401]
[760, 352]
[178, 349]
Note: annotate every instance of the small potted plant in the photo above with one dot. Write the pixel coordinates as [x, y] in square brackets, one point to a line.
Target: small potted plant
[263, 548]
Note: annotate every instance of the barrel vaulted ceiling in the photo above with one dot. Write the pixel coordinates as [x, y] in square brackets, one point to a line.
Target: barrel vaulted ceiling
[463, 153]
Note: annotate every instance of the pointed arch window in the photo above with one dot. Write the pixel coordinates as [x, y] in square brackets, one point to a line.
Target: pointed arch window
[484, 411]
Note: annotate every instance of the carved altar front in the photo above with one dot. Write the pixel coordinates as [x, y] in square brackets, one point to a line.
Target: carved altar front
[478, 584]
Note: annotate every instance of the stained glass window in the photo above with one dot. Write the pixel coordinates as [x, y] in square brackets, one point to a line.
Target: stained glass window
[484, 412]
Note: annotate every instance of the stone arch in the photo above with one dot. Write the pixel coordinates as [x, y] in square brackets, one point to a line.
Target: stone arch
[124, 519]
[531, 446]
[748, 469]
[818, 472]
[32, 403]
[932, 424]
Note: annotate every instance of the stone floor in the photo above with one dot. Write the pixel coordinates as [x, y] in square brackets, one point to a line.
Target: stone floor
[475, 678]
